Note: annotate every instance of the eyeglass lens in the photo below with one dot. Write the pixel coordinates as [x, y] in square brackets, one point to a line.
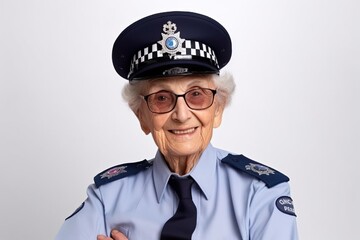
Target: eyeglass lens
[165, 101]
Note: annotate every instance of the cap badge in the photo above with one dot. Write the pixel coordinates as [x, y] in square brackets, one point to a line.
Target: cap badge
[171, 42]
[113, 172]
[259, 169]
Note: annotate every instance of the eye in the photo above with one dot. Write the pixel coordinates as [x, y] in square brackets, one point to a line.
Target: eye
[196, 93]
[162, 96]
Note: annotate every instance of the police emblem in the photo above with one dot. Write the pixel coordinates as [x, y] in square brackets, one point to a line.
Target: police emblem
[113, 172]
[171, 42]
[259, 169]
[285, 205]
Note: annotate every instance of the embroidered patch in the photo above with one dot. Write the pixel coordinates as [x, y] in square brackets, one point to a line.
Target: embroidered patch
[259, 169]
[114, 172]
[121, 171]
[285, 205]
[268, 175]
[76, 211]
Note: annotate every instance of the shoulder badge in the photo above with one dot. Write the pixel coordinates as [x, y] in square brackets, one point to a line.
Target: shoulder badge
[120, 171]
[268, 175]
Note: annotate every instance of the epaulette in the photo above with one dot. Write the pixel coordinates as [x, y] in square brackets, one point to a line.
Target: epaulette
[268, 175]
[120, 171]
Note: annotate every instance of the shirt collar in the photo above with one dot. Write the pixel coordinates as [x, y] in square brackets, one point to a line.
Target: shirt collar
[161, 174]
[203, 173]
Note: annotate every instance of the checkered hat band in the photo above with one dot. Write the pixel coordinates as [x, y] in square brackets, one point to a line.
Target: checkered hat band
[192, 48]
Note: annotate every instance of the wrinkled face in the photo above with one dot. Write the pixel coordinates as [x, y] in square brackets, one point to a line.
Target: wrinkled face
[181, 132]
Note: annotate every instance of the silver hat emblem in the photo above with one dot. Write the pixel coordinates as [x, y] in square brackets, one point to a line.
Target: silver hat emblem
[171, 42]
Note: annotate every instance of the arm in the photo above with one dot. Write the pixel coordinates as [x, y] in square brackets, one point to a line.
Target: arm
[87, 221]
[272, 214]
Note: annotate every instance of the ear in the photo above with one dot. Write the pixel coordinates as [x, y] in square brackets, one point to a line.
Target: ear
[143, 123]
[219, 110]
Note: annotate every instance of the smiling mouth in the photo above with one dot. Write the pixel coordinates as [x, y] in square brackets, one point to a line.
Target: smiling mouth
[186, 131]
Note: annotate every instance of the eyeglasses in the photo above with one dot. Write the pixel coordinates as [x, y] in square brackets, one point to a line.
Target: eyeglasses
[165, 101]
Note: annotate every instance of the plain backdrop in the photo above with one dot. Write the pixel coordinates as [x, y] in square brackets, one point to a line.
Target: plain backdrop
[62, 118]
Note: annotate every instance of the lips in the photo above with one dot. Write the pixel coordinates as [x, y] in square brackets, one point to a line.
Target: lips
[184, 131]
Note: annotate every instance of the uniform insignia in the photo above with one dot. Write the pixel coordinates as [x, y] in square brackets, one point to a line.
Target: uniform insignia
[285, 205]
[259, 169]
[120, 171]
[171, 42]
[114, 172]
[268, 175]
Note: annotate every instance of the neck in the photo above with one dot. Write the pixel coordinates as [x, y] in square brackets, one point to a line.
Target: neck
[182, 165]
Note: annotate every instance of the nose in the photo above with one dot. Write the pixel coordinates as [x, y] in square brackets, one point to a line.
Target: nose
[181, 111]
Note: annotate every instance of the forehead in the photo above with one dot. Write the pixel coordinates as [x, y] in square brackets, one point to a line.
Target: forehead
[182, 82]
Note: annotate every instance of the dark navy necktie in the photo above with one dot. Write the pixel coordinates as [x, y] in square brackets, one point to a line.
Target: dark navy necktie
[183, 223]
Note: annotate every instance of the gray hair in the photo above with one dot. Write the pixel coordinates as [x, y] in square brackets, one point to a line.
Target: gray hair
[225, 86]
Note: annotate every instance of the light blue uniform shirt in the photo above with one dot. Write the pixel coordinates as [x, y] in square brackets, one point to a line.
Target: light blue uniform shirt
[231, 204]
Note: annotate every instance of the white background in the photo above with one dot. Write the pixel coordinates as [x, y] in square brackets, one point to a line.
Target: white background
[296, 106]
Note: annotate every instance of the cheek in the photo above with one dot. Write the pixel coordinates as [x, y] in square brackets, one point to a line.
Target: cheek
[207, 123]
[207, 130]
[207, 119]
[158, 122]
[158, 131]
[159, 135]
[154, 122]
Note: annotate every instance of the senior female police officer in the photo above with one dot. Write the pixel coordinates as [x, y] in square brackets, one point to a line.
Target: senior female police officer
[190, 189]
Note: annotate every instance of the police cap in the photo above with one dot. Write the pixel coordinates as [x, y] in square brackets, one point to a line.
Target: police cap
[171, 43]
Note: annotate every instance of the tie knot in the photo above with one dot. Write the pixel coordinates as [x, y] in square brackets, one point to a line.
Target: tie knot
[182, 186]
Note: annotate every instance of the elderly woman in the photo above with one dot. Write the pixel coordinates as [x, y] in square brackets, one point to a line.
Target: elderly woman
[190, 189]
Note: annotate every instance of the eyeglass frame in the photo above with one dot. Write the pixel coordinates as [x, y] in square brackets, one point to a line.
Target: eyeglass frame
[213, 91]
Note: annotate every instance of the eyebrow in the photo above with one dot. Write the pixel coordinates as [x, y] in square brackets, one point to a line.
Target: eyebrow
[193, 83]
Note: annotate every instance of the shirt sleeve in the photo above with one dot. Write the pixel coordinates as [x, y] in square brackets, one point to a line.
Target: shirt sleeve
[87, 221]
[272, 215]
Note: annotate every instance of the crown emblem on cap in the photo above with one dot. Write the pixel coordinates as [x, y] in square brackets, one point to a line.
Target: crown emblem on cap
[171, 42]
